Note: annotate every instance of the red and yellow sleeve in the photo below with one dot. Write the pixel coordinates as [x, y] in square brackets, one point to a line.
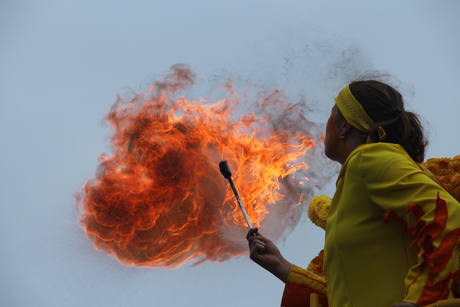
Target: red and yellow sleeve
[299, 285]
[430, 216]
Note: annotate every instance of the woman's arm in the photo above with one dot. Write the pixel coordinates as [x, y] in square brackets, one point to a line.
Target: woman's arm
[265, 253]
[300, 283]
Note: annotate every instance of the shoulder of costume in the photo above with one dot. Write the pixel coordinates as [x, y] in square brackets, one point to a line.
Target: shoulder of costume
[376, 152]
[378, 148]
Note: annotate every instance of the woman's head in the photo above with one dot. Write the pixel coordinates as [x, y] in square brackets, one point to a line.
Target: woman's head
[385, 107]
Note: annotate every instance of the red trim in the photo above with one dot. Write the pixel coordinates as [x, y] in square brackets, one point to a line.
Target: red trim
[425, 234]
[435, 260]
[309, 277]
[386, 219]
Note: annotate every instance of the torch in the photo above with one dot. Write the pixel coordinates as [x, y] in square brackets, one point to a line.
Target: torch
[225, 170]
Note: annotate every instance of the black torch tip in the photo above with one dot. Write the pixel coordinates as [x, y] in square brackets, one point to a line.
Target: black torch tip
[224, 169]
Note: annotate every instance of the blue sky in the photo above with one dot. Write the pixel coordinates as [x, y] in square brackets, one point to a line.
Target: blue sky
[63, 62]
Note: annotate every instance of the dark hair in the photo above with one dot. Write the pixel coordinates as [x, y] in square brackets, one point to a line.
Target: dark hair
[385, 106]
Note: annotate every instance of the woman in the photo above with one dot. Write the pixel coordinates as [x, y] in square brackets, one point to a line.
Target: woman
[392, 230]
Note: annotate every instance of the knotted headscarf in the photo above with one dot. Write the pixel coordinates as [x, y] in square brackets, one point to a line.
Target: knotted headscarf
[354, 113]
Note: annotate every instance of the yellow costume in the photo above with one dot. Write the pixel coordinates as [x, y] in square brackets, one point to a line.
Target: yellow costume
[391, 235]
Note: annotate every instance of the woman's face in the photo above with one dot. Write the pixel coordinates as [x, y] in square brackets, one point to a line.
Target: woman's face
[332, 141]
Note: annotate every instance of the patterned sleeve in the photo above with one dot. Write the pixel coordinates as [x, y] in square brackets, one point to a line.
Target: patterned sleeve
[300, 284]
[429, 215]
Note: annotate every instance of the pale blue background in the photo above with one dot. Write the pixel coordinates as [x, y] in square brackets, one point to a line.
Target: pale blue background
[62, 62]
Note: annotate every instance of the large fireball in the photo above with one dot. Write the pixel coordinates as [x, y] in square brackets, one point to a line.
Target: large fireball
[159, 200]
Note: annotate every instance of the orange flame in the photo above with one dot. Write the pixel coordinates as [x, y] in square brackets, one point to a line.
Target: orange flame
[159, 199]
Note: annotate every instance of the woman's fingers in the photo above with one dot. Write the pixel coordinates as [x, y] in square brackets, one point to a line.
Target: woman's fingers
[252, 232]
[257, 248]
[257, 242]
[254, 238]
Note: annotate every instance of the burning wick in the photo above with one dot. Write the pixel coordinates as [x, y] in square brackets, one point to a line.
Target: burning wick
[225, 170]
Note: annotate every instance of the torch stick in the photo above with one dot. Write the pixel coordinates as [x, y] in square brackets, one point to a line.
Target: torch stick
[225, 170]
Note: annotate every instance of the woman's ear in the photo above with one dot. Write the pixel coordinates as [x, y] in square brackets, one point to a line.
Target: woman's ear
[347, 127]
[344, 128]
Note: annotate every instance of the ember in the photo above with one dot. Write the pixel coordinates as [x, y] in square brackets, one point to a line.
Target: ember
[159, 200]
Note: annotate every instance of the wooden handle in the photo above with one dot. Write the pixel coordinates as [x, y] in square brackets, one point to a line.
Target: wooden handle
[314, 300]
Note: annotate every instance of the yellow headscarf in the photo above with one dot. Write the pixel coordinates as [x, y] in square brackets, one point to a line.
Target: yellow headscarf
[354, 113]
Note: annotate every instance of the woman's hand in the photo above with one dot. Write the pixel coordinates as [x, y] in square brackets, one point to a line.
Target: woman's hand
[265, 253]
